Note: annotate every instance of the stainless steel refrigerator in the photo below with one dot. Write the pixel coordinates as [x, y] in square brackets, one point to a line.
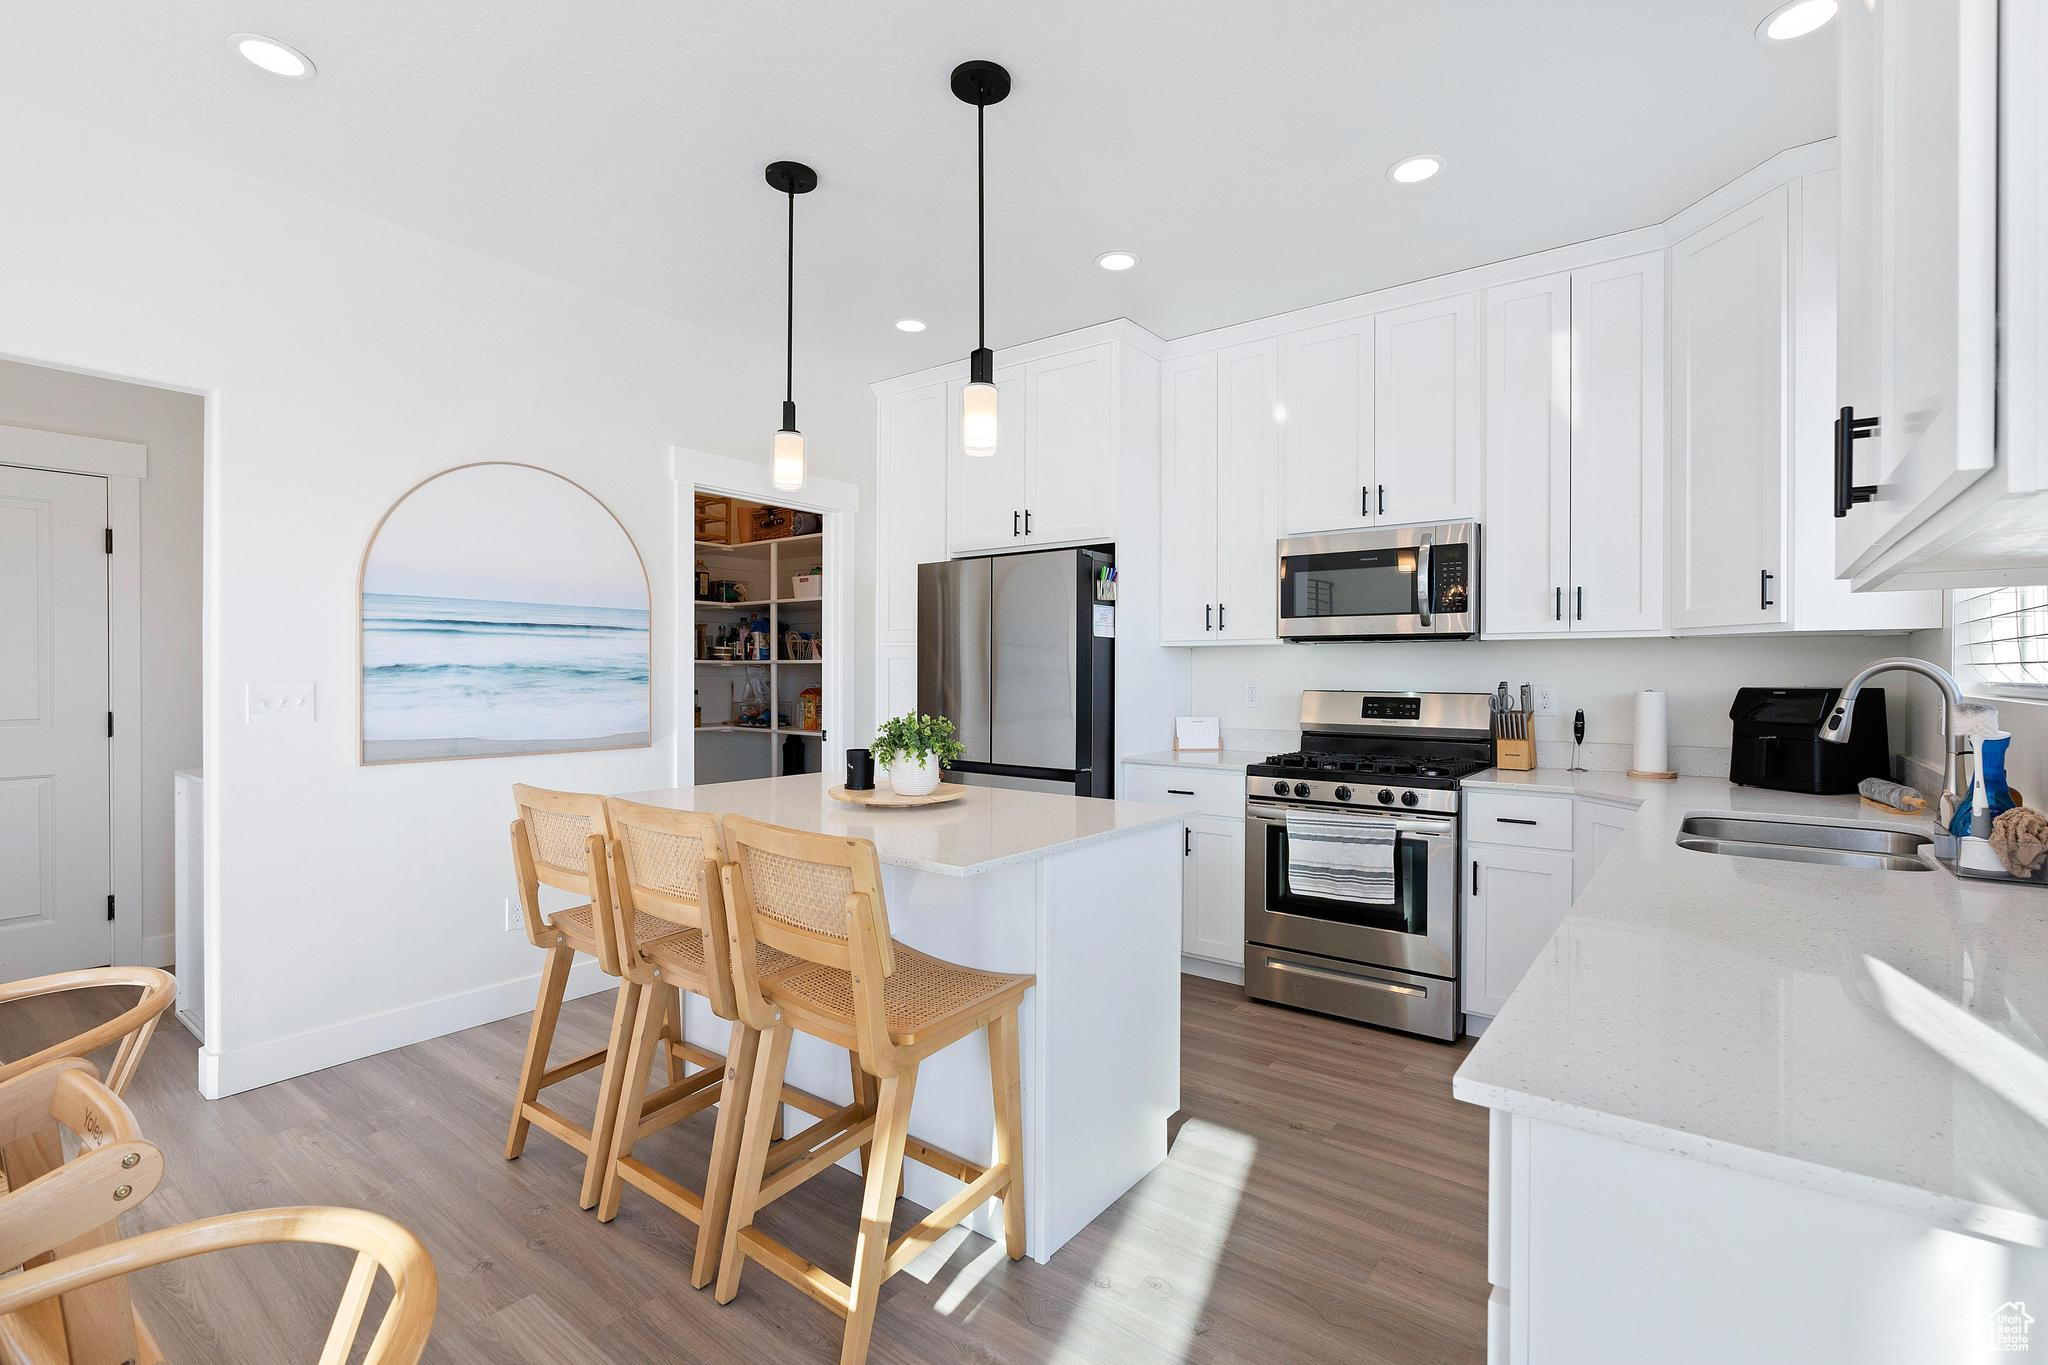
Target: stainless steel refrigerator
[1018, 654]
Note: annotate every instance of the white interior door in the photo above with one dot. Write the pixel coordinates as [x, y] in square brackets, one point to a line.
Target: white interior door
[55, 853]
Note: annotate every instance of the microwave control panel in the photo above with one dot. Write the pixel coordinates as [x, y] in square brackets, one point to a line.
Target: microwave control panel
[1449, 567]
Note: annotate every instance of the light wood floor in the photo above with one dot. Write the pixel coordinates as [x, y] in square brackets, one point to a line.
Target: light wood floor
[1325, 1200]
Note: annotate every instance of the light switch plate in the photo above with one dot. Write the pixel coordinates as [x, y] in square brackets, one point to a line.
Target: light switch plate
[281, 703]
[1252, 698]
[1543, 698]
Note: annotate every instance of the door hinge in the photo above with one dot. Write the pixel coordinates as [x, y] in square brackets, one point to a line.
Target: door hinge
[110, 540]
[110, 907]
[110, 725]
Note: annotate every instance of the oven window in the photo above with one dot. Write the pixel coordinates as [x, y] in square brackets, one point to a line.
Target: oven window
[1408, 913]
[1349, 583]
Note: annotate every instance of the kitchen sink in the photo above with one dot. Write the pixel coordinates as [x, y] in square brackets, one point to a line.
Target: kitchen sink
[1789, 841]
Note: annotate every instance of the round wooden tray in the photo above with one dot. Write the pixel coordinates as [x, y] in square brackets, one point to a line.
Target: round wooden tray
[886, 799]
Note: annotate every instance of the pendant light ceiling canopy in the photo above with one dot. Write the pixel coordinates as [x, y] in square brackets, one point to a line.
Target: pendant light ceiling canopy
[980, 84]
[786, 467]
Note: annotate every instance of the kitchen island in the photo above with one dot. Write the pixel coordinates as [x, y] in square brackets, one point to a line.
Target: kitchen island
[1746, 1109]
[1085, 894]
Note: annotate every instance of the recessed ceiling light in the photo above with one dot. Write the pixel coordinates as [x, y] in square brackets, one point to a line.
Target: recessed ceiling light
[1795, 20]
[1116, 260]
[279, 59]
[1413, 170]
[910, 324]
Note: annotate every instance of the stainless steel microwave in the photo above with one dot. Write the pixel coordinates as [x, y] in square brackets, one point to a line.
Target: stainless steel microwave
[1383, 583]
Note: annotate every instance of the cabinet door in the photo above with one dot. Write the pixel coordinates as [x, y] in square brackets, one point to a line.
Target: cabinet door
[1937, 178]
[1859, 318]
[1188, 591]
[1526, 564]
[1327, 434]
[910, 501]
[1426, 405]
[1597, 827]
[1618, 424]
[1514, 900]
[1247, 500]
[1070, 472]
[1730, 302]
[1212, 890]
[985, 493]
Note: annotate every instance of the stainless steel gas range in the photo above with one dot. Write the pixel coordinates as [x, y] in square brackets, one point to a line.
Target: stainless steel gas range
[1377, 771]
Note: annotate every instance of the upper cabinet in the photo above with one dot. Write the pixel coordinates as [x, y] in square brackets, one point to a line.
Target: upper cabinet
[1052, 478]
[1942, 141]
[1219, 472]
[1379, 419]
[985, 494]
[1574, 520]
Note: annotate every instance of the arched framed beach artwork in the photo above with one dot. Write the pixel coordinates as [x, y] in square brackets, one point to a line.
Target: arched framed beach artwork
[504, 611]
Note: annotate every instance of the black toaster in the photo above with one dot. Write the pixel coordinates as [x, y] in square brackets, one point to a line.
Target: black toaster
[1778, 745]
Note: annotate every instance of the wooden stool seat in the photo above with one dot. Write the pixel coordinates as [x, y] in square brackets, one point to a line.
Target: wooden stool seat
[927, 1001]
[681, 956]
[580, 929]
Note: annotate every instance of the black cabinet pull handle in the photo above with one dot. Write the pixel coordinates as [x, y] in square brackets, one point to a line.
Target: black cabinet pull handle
[1208, 615]
[1187, 842]
[1475, 876]
[1383, 499]
[1764, 590]
[1560, 604]
[1013, 523]
[1579, 599]
[1027, 521]
[1365, 502]
[1176, 791]
[1849, 429]
[1511, 820]
[1219, 616]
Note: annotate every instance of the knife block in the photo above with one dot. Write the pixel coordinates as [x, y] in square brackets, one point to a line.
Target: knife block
[1514, 755]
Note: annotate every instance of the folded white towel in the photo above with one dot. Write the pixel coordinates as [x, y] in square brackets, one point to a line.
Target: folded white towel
[1340, 858]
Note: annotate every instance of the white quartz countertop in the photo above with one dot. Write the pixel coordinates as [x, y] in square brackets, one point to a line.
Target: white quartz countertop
[1231, 760]
[986, 828]
[1882, 1036]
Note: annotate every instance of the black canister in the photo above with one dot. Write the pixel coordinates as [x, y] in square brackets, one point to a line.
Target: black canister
[860, 770]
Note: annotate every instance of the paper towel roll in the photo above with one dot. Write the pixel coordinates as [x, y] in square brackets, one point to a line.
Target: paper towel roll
[1653, 750]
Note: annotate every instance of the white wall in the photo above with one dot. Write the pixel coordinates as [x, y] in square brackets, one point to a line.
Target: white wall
[172, 425]
[2026, 766]
[343, 359]
[1700, 674]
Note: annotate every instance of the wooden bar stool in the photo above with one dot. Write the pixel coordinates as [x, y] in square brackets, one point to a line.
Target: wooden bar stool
[562, 839]
[131, 1028]
[818, 899]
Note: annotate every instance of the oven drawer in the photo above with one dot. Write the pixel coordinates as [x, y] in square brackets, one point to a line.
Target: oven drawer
[1427, 1005]
[1213, 791]
[1517, 820]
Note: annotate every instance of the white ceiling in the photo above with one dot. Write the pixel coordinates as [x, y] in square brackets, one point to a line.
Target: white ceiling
[1238, 146]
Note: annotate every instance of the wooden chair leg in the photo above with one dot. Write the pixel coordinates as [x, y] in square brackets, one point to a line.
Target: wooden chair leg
[1006, 1074]
[540, 1036]
[877, 1211]
[612, 1081]
[863, 1094]
[741, 1056]
[672, 1033]
[650, 1023]
[763, 1098]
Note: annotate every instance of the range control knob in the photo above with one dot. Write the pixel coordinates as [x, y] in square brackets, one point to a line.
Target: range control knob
[1386, 797]
[1279, 789]
[1301, 789]
[1409, 798]
[1342, 793]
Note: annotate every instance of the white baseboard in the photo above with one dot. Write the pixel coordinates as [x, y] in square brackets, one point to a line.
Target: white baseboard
[230, 1073]
[1230, 972]
[1475, 1025]
[160, 950]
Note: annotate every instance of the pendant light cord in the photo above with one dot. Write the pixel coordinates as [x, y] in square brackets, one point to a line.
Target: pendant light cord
[980, 226]
[789, 313]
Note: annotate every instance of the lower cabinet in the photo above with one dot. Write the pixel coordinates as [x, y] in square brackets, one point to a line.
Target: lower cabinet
[1596, 826]
[1514, 900]
[1212, 890]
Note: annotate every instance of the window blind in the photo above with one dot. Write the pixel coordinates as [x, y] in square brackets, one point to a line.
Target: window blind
[2002, 634]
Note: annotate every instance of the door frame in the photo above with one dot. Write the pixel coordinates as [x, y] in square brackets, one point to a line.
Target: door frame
[124, 465]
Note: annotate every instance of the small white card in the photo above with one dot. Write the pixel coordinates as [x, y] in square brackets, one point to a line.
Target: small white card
[1105, 620]
[1197, 734]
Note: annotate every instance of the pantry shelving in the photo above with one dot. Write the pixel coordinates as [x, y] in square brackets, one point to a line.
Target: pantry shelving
[774, 615]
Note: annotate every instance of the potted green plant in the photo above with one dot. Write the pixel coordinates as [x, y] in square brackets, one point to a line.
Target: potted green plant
[914, 748]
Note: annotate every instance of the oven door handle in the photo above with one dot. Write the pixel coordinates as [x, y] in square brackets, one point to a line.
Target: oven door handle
[1425, 587]
[1348, 978]
[1409, 825]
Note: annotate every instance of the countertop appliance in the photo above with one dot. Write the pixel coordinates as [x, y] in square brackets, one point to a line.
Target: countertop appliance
[1018, 654]
[1376, 761]
[1777, 741]
[1386, 583]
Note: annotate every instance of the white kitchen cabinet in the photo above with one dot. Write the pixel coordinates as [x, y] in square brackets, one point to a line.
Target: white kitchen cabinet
[1575, 453]
[1425, 413]
[985, 494]
[1514, 900]
[1070, 445]
[1326, 441]
[1218, 496]
[1731, 417]
[1596, 827]
[1212, 890]
[912, 431]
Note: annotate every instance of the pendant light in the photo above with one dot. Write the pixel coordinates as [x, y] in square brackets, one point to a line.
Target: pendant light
[786, 469]
[980, 84]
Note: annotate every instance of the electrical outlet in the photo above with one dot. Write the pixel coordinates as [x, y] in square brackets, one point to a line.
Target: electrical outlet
[513, 918]
[1543, 698]
[281, 703]
[1252, 697]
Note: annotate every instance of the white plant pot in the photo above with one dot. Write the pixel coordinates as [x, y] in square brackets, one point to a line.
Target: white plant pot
[914, 776]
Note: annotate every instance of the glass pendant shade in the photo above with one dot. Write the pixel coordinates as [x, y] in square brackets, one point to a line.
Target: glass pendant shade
[978, 420]
[787, 466]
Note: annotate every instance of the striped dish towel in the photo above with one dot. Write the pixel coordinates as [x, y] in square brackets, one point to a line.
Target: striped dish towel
[1340, 858]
